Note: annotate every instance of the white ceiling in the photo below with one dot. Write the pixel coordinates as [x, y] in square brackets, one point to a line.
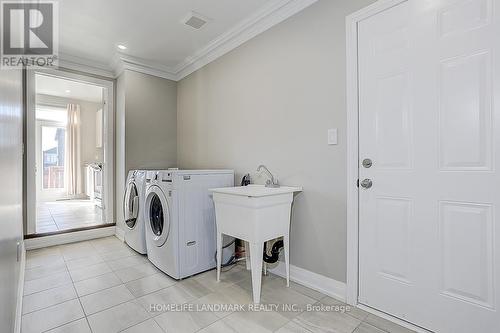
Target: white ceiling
[47, 85]
[158, 43]
[151, 29]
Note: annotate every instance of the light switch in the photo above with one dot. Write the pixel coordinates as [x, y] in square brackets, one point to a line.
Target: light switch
[332, 136]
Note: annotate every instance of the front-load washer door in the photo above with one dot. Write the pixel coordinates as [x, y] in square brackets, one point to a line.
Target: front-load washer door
[158, 215]
[131, 205]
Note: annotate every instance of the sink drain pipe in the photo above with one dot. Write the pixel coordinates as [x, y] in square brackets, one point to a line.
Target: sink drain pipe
[275, 252]
[232, 259]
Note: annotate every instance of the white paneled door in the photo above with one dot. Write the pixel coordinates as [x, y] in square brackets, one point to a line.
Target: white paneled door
[429, 121]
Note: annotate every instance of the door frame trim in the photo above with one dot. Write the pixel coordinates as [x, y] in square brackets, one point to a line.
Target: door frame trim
[108, 86]
[352, 107]
[68, 237]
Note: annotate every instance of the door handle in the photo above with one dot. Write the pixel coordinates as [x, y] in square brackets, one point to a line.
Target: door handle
[367, 163]
[366, 183]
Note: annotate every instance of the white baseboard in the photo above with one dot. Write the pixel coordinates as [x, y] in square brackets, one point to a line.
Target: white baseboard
[71, 237]
[120, 234]
[321, 283]
[20, 290]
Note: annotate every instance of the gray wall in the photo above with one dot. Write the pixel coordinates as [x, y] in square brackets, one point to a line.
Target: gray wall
[271, 101]
[150, 121]
[11, 164]
[146, 117]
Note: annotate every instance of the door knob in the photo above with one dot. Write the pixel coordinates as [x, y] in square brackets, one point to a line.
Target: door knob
[366, 183]
[367, 163]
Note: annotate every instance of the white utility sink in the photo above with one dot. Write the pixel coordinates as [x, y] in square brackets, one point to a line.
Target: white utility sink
[256, 190]
[255, 214]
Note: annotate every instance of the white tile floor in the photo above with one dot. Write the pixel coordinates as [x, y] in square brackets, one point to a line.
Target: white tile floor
[66, 214]
[103, 286]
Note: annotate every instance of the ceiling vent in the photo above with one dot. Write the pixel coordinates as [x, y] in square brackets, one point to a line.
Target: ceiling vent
[195, 20]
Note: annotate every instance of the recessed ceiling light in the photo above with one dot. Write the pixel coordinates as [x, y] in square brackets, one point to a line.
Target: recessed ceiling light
[67, 91]
[121, 47]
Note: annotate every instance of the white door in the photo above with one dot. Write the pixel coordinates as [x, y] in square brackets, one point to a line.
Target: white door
[429, 119]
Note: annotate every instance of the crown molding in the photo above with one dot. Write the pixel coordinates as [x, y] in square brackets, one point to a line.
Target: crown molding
[273, 13]
[85, 65]
[123, 62]
[270, 15]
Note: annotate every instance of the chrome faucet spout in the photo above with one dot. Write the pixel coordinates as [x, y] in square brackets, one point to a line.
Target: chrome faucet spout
[271, 182]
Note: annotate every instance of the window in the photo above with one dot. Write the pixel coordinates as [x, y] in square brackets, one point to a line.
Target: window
[52, 121]
[54, 114]
[53, 149]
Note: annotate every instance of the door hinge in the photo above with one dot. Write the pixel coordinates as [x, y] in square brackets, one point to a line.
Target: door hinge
[357, 183]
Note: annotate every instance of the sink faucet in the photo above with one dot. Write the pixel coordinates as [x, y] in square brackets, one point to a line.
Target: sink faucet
[270, 182]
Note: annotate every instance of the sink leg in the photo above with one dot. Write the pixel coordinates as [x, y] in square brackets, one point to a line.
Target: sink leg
[286, 248]
[247, 255]
[256, 250]
[219, 254]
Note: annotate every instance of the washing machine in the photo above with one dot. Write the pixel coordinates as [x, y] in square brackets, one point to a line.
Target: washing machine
[180, 220]
[133, 207]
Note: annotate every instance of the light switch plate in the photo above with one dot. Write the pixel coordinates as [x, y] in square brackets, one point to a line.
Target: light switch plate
[332, 136]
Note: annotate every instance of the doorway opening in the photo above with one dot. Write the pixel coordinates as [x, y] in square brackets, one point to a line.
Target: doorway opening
[69, 123]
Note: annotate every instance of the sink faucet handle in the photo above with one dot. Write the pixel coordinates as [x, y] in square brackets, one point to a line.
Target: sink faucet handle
[271, 182]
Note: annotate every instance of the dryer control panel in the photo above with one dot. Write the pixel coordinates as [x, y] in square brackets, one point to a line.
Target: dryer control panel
[158, 176]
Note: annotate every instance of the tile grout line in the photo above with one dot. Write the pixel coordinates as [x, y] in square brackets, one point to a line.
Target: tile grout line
[53, 219]
[154, 319]
[69, 322]
[45, 276]
[288, 322]
[69, 214]
[354, 330]
[72, 282]
[126, 328]
[61, 303]
[122, 283]
[134, 300]
[57, 225]
[159, 314]
[76, 296]
[154, 316]
[120, 303]
[76, 293]
[375, 326]
[81, 306]
[58, 286]
[219, 319]
[110, 271]
[83, 310]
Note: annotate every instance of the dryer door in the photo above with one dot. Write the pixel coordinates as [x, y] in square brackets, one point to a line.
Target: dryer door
[131, 205]
[158, 215]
